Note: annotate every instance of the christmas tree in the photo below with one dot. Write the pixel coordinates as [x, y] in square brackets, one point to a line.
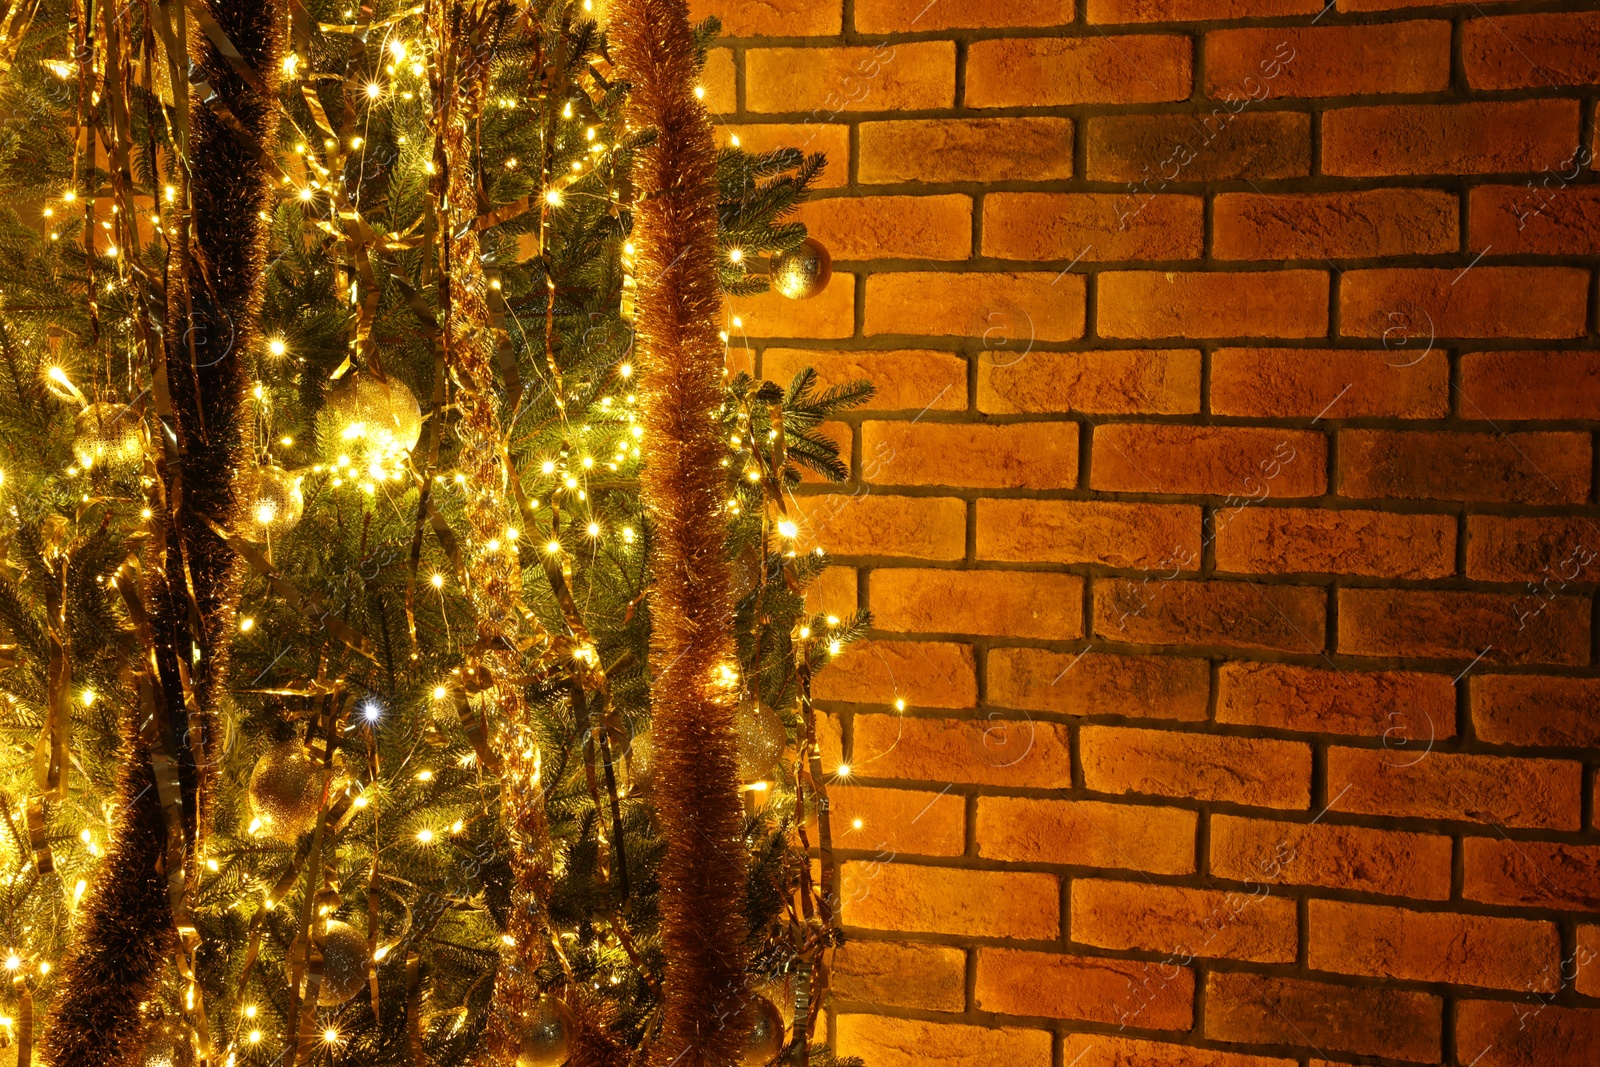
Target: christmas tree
[408, 658]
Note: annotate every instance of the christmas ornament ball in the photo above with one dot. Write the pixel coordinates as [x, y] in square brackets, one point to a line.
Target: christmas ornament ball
[370, 420]
[641, 753]
[286, 790]
[759, 739]
[546, 1034]
[275, 502]
[345, 960]
[761, 1032]
[161, 1048]
[106, 435]
[802, 272]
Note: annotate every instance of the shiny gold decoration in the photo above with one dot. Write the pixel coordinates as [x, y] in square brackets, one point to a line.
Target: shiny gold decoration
[369, 426]
[345, 960]
[274, 502]
[761, 1032]
[692, 654]
[546, 1034]
[760, 737]
[803, 272]
[286, 791]
[107, 435]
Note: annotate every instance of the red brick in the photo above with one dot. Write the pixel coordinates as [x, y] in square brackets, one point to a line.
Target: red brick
[830, 138]
[919, 16]
[1392, 862]
[1448, 785]
[904, 77]
[1486, 137]
[937, 900]
[1529, 709]
[1100, 1050]
[900, 974]
[833, 592]
[885, 1041]
[720, 81]
[1017, 982]
[1480, 302]
[1525, 1033]
[891, 227]
[1187, 922]
[1150, 304]
[1384, 942]
[1090, 531]
[1584, 962]
[1092, 227]
[1238, 462]
[1358, 225]
[1014, 309]
[1522, 468]
[1380, 544]
[1031, 455]
[1282, 618]
[1087, 833]
[1531, 51]
[1330, 383]
[1530, 385]
[1099, 683]
[829, 314]
[1443, 624]
[771, 18]
[927, 674]
[904, 822]
[1541, 874]
[1148, 381]
[1549, 552]
[1210, 146]
[1000, 603]
[1387, 5]
[1049, 71]
[872, 524]
[1195, 10]
[1260, 1009]
[1173, 763]
[965, 150]
[1550, 217]
[902, 380]
[1403, 707]
[987, 751]
[1396, 57]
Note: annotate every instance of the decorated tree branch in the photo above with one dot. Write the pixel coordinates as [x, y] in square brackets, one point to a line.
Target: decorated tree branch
[400, 610]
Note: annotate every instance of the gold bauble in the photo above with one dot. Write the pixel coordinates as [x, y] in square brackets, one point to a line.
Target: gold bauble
[107, 435]
[273, 501]
[286, 791]
[345, 961]
[641, 755]
[545, 1037]
[804, 271]
[372, 422]
[761, 1031]
[161, 1048]
[759, 738]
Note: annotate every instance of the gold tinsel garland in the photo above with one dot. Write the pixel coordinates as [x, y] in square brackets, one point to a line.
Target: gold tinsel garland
[128, 933]
[492, 568]
[693, 664]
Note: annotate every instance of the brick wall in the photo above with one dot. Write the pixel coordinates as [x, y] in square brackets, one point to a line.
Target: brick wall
[1228, 512]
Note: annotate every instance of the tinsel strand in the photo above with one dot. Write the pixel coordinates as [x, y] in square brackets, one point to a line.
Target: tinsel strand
[461, 73]
[694, 668]
[126, 934]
